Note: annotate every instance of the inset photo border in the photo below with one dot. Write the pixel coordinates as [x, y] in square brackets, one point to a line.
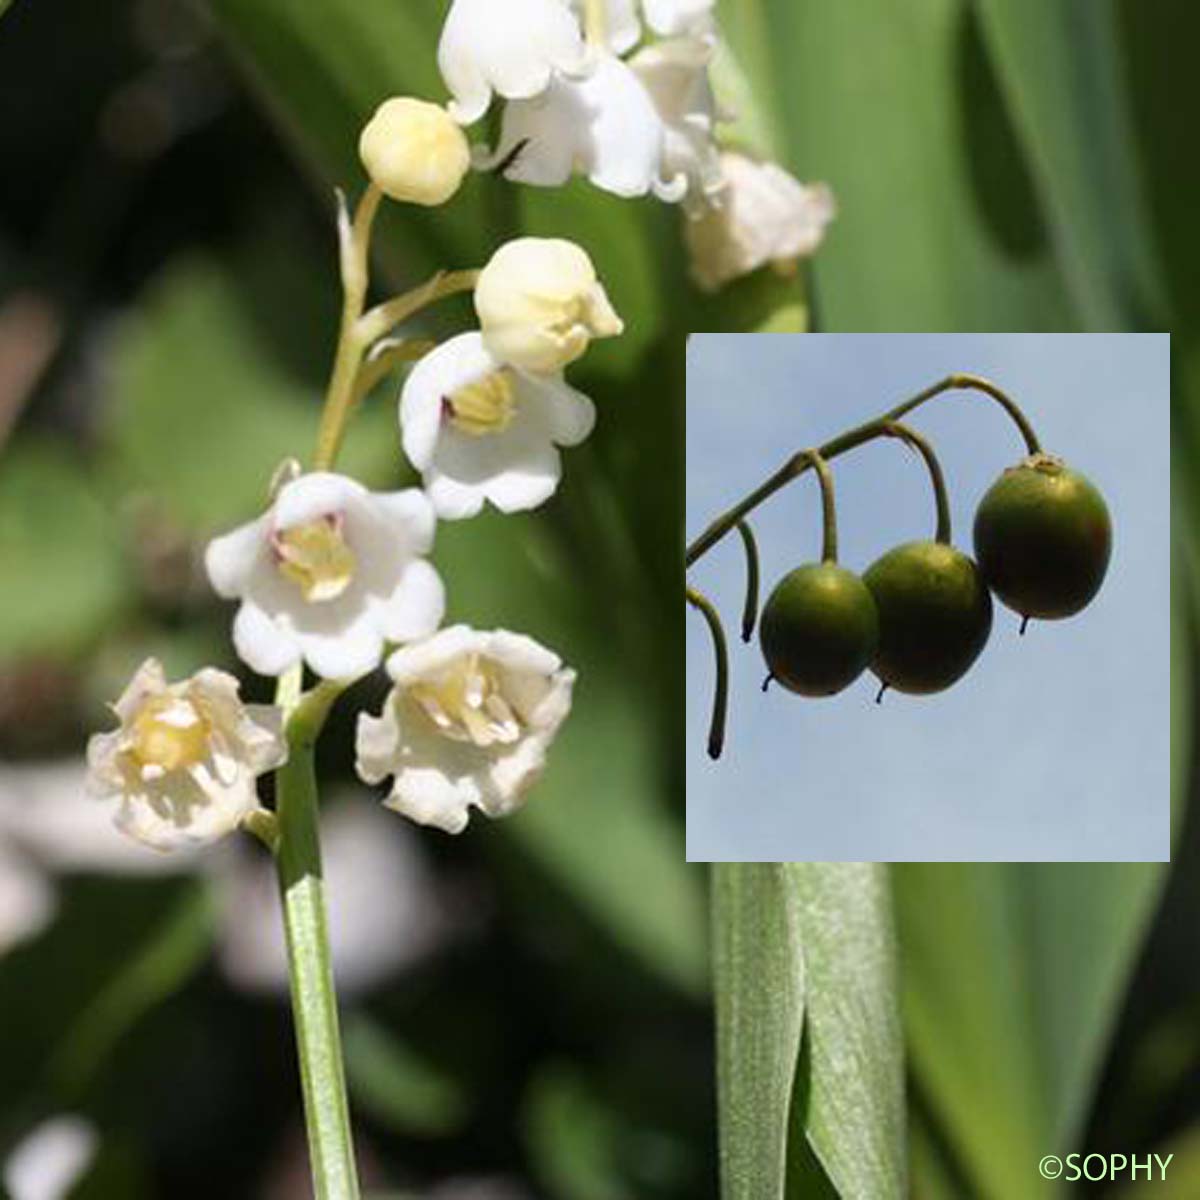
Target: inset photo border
[1051, 745]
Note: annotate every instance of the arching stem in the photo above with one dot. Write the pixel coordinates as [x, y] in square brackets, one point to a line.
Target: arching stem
[801, 462]
[936, 478]
[716, 729]
[829, 543]
[750, 609]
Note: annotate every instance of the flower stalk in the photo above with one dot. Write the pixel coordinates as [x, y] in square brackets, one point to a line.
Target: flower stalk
[852, 438]
[716, 729]
[314, 1000]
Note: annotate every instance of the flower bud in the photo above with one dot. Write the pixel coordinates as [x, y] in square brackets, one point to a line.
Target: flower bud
[540, 304]
[413, 151]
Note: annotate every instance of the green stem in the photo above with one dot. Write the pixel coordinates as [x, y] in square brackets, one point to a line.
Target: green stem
[936, 478]
[383, 318]
[829, 541]
[716, 729]
[355, 241]
[799, 463]
[750, 609]
[314, 1000]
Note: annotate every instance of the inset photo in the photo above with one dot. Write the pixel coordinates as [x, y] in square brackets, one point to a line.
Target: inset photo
[928, 587]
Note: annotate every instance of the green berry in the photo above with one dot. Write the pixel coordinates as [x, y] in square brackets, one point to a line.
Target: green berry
[1043, 538]
[819, 629]
[935, 614]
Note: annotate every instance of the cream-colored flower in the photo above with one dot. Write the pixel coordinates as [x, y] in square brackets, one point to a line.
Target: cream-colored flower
[414, 151]
[479, 429]
[512, 49]
[329, 574]
[467, 724]
[763, 215]
[540, 304]
[184, 760]
[675, 74]
[603, 125]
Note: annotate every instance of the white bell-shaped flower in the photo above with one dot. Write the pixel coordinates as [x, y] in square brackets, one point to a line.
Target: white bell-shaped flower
[478, 428]
[184, 760]
[329, 574]
[675, 74]
[763, 215]
[540, 303]
[511, 49]
[603, 125]
[468, 723]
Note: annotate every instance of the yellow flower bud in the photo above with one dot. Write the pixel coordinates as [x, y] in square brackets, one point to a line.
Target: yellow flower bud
[540, 304]
[413, 151]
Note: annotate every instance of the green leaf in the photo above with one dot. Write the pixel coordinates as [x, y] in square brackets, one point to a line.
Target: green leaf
[398, 1084]
[199, 390]
[1012, 976]
[596, 819]
[65, 576]
[758, 972]
[1181, 1178]
[853, 1107]
[118, 947]
[323, 68]
[167, 958]
[809, 1057]
[573, 1136]
[1061, 72]
[894, 106]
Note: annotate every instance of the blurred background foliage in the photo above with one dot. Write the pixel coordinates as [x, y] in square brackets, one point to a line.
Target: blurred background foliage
[526, 1011]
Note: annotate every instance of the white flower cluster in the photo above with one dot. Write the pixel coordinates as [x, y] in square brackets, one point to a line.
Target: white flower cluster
[333, 574]
[587, 90]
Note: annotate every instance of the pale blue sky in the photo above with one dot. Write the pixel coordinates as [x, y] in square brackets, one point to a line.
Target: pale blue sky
[1054, 746]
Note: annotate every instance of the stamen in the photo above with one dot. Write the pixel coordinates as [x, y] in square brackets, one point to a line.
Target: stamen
[486, 406]
[466, 703]
[168, 735]
[315, 557]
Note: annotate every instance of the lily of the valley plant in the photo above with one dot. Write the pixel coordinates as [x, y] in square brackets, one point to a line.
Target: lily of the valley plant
[333, 581]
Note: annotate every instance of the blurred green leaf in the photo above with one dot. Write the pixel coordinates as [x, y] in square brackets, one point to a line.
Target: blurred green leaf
[1012, 976]
[109, 957]
[809, 1054]
[396, 1083]
[1183, 664]
[65, 576]
[158, 967]
[199, 398]
[195, 402]
[1181, 1178]
[1061, 72]
[573, 1136]
[595, 821]
[323, 68]
[895, 107]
